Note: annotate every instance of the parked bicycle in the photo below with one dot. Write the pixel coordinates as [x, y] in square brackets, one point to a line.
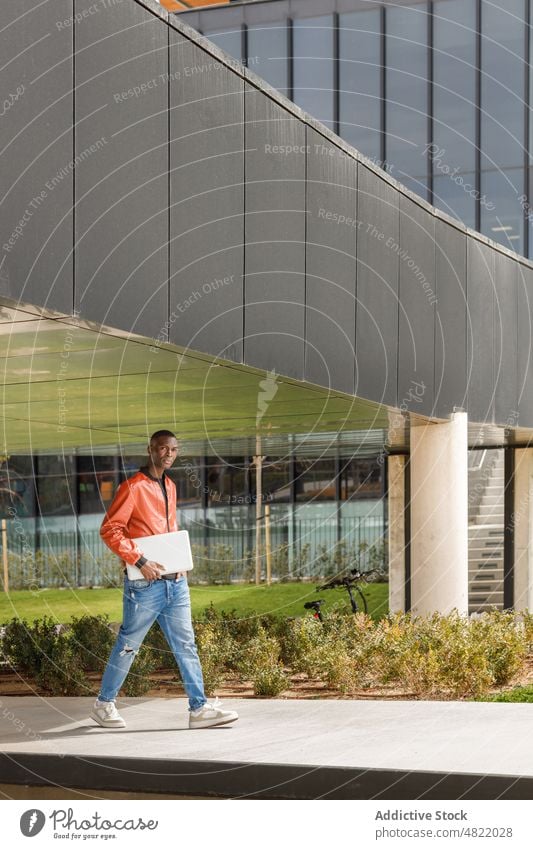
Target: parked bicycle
[352, 583]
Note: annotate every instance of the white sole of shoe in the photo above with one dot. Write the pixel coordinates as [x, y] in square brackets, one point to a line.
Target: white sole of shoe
[108, 724]
[210, 723]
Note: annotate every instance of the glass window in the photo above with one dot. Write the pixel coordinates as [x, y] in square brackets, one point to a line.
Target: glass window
[502, 83]
[407, 94]
[56, 485]
[456, 195]
[360, 479]
[267, 54]
[276, 480]
[187, 475]
[454, 91]
[315, 479]
[16, 488]
[97, 483]
[229, 40]
[501, 210]
[360, 80]
[228, 482]
[313, 81]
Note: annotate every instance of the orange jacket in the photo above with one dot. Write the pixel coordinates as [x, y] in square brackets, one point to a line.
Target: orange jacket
[138, 510]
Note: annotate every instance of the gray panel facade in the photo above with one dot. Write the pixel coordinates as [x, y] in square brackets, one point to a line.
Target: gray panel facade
[195, 215]
[206, 203]
[36, 153]
[377, 289]
[330, 262]
[450, 318]
[121, 217]
[525, 345]
[275, 162]
[480, 332]
[505, 340]
[416, 342]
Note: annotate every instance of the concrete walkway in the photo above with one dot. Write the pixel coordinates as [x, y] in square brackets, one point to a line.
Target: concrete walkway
[282, 749]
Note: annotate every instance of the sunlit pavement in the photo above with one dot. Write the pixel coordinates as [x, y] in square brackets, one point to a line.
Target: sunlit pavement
[277, 748]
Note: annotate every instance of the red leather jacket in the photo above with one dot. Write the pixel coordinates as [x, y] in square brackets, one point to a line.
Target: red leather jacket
[138, 509]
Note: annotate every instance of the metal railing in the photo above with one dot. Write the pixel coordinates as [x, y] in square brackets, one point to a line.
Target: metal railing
[301, 548]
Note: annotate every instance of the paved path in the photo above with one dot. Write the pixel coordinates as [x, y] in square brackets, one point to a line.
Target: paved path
[382, 744]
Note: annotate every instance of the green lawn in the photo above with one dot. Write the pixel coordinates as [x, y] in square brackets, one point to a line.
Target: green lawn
[280, 599]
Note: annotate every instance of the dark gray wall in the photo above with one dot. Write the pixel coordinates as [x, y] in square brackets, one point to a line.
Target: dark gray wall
[36, 217]
[208, 210]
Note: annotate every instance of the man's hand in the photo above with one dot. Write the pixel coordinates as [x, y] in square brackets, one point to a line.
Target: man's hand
[152, 570]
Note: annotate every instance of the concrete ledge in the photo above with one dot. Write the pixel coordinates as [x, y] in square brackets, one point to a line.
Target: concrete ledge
[257, 781]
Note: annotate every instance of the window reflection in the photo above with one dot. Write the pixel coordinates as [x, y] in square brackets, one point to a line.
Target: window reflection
[502, 216]
[454, 74]
[267, 53]
[360, 80]
[315, 479]
[56, 485]
[313, 46]
[457, 196]
[502, 83]
[97, 482]
[16, 487]
[360, 479]
[407, 94]
[229, 40]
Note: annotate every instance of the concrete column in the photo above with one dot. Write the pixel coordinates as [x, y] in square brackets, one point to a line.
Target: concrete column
[439, 516]
[396, 531]
[521, 523]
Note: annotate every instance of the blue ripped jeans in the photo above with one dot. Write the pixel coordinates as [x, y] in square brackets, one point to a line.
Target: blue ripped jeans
[169, 603]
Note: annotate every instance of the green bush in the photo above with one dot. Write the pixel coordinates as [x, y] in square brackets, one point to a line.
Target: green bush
[259, 662]
[517, 694]
[19, 649]
[270, 680]
[211, 656]
[46, 653]
[93, 638]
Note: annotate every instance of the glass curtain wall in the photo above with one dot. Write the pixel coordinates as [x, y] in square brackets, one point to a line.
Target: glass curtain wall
[360, 81]
[407, 94]
[55, 505]
[314, 67]
[453, 150]
[439, 91]
[503, 119]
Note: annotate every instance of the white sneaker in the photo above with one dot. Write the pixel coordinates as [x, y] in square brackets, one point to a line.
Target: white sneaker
[211, 714]
[106, 715]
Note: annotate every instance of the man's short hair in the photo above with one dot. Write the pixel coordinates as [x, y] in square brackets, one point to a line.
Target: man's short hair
[159, 433]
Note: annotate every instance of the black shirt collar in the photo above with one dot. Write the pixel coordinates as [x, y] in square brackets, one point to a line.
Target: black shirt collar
[144, 470]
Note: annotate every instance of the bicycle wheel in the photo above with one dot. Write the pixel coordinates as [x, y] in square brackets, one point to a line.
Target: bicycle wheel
[363, 599]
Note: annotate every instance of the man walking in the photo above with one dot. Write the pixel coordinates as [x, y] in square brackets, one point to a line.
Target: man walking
[145, 504]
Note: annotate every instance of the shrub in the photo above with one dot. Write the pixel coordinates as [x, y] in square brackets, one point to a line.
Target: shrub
[270, 680]
[45, 651]
[505, 642]
[18, 647]
[210, 651]
[93, 638]
[259, 662]
[517, 694]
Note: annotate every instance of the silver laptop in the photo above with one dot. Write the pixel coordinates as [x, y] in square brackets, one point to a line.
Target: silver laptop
[172, 551]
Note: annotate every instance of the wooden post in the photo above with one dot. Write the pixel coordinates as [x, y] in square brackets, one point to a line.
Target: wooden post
[4, 555]
[268, 547]
[258, 506]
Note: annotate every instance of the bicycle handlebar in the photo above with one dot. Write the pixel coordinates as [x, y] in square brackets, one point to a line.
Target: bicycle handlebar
[348, 581]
